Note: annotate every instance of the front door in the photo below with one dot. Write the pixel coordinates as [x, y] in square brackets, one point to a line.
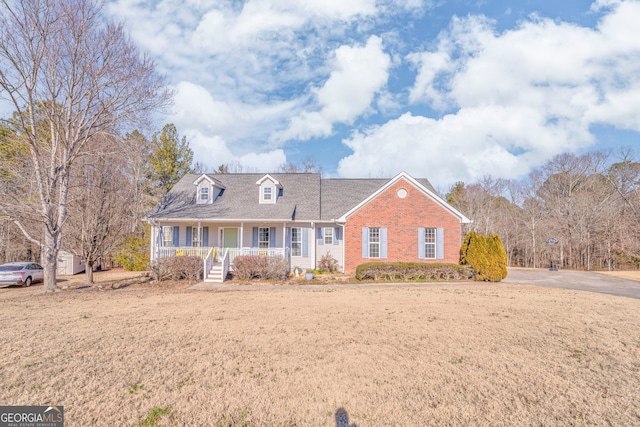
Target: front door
[230, 238]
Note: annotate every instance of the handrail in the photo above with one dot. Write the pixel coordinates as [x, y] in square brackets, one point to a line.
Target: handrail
[225, 264]
[208, 262]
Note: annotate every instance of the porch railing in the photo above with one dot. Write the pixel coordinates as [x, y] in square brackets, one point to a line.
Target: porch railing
[214, 253]
[166, 251]
[234, 252]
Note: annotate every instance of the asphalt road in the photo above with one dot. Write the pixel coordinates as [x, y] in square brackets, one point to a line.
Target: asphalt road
[578, 280]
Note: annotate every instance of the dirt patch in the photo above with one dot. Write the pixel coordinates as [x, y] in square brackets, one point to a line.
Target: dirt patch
[473, 354]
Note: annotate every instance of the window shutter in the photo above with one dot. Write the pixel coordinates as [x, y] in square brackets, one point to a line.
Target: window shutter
[272, 237]
[336, 235]
[205, 236]
[305, 242]
[365, 243]
[440, 243]
[160, 241]
[421, 243]
[320, 236]
[189, 236]
[176, 236]
[383, 243]
[254, 242]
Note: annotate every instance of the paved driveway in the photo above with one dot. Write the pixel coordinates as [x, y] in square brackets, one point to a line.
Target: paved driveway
[579, 280]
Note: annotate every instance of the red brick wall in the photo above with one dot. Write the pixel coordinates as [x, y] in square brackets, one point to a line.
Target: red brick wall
[402, 218]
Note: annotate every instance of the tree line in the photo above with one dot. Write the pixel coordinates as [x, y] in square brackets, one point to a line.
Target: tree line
[581, 211]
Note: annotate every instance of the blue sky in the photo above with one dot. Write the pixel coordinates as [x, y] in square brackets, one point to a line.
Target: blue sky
[447, 90]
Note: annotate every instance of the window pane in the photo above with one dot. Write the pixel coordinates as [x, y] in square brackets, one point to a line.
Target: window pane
[196, 241]
[429, 242]
[204, 193]
[328, 235]
[167, 236]
[374, 243]
[296, 242]
[263, 237]
[267, 193]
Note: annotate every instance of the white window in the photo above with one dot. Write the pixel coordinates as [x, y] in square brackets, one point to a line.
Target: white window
[328, 235]
[374, 243]
[263, 237]
[430, 243]
[167, 235]
[267, 193]
[204, 194]
[296, 242]
[196, 237]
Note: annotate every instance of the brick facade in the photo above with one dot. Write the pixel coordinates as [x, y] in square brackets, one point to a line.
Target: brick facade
[402, 217]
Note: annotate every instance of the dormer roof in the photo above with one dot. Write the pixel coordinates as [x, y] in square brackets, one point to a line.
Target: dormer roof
[270, 178]
[211, 180]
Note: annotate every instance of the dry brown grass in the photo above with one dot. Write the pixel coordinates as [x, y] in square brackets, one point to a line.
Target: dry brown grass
[472, 355]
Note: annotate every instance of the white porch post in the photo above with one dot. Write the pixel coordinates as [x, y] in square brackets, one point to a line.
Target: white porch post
[343, 247]
[241, 242]
[313, 246]
[284, 243]
[154, 242]
[284, 238]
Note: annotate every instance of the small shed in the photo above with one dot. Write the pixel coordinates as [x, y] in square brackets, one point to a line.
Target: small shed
[69, 264]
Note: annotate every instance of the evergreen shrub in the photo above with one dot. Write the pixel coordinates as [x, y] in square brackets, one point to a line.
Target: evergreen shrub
[485, 255]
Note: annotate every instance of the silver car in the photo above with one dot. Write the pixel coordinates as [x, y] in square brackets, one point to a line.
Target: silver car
[20, 273]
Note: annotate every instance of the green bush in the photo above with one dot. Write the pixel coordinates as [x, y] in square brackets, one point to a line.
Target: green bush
[411, 271]
[485, 255]
[133, 253]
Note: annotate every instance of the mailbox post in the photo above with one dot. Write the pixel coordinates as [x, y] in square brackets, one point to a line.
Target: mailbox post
[552, 241]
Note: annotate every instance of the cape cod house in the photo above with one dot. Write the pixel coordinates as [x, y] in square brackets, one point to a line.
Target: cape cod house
[301, 217]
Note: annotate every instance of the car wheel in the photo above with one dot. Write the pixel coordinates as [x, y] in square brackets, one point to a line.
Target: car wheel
[27, 282]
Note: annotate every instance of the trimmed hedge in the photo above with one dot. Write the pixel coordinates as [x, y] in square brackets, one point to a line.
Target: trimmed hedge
[412, 272]
[247, 267]
[486, 255]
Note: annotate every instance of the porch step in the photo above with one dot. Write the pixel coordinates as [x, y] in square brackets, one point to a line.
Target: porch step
[215, 274]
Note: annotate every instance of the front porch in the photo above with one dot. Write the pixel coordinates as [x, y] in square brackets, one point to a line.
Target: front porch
[217, 262]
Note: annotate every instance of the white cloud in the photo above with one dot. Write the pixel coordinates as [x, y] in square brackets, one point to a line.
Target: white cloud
[213, 151]
[196, 108]
[515, 98]
[245, 70]
[359, 72]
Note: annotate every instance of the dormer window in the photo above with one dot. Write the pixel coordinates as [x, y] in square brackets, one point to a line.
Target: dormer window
[204, 194]
[270, 189]
[208, 189]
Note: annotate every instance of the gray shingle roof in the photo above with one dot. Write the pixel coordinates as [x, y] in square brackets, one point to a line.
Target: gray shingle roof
[305, 196]
[240, 199]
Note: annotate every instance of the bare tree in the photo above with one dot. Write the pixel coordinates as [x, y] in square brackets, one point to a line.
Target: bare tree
[306, 165]
[70, 76]
[100, 197]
